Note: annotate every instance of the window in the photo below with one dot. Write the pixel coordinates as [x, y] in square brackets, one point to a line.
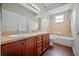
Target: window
[59, 18]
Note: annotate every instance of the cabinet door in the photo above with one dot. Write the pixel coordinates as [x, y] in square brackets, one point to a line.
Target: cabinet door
[12, 49]
[39, 45]
[45, 41]
[25, 48]
[31, 46]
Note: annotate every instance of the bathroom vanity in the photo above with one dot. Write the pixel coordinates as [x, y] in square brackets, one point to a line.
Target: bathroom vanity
[29, 44]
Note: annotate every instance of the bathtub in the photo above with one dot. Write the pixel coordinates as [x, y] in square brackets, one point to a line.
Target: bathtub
[66, 41]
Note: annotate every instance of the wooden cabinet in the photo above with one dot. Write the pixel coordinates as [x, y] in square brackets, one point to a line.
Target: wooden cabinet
[39, 45]
[12, 49]
[45, 41]
[27, 47]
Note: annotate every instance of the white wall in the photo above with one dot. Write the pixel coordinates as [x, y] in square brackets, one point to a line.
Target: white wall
[0, 18]
[44, 24]
[0, 23]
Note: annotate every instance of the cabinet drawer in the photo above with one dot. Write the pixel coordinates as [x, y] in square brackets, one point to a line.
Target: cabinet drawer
[39, 45]
[30, 40]
[39, 37]
[39, 51]
[39, 41]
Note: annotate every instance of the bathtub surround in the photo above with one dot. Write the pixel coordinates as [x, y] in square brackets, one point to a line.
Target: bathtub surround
[63, 40]
[61, 28]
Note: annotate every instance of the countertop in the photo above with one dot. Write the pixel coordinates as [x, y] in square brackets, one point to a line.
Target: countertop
[16, 37]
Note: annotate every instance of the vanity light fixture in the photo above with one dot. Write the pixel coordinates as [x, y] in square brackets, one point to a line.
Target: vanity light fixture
[34, 6]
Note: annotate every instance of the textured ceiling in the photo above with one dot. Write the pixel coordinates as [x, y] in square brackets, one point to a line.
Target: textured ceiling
[44, 7]
[50, 6]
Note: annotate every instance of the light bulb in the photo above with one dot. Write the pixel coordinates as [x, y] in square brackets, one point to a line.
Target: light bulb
[33, 5]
